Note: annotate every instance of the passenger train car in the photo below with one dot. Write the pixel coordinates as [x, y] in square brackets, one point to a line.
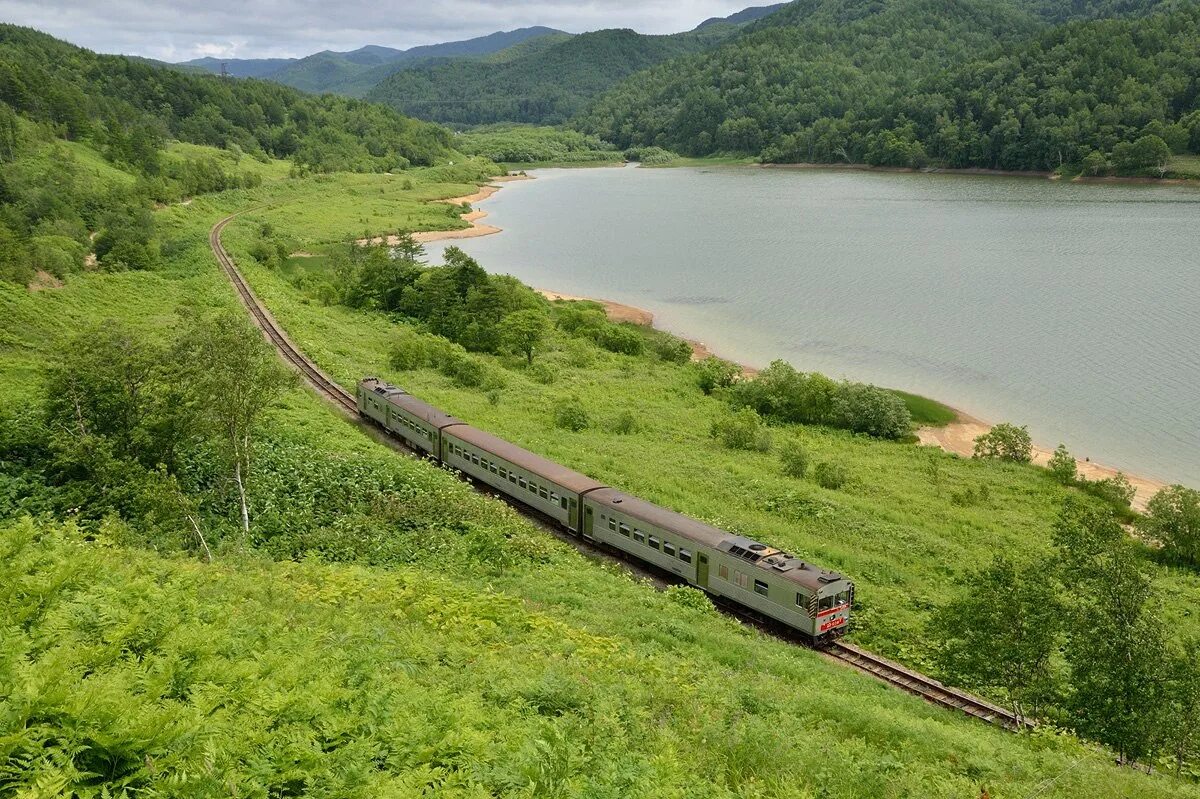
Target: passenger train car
[769, 582]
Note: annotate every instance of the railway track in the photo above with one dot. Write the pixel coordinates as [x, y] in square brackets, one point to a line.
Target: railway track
[885, 670]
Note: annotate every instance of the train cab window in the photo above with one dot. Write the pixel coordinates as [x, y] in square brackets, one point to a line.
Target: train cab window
[760, 587]
[654, 542]
[612, 524]
[831, 602]
[685, 555]
[669, 548]
[723, 572]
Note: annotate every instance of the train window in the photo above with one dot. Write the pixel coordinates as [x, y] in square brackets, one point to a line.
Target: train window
[639, 536]
[760, 587]
[521, 482]
[723, 572]
[512, 477]
[669, 548]
[475, 459]
[562, 502]
[685, 555]
[543, 493]
[532, 487]
[503, 473]
[624, 529]
[612, 524]
[740, 579]
[654, 542]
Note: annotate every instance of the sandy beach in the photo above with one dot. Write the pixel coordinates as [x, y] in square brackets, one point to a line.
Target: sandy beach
[472, 216]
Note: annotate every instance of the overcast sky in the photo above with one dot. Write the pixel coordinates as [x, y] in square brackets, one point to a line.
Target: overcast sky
[177, 30]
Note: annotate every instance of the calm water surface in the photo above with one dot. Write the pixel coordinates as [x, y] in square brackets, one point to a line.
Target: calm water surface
[1073, 309]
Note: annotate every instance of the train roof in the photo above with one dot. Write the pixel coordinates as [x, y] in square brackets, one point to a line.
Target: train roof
[402, 399]
[523, 458]
[764, 557]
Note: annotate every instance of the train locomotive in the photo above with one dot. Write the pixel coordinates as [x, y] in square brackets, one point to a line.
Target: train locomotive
[758, 578]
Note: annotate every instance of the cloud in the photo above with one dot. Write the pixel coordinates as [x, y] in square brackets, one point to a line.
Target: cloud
[174, 30]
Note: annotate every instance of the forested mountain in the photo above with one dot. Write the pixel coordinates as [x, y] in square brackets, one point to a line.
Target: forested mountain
[353, 73]
[541, 85]
[916, 82]
[743, 16]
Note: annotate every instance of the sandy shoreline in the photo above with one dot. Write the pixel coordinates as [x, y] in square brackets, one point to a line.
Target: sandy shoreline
[473, 216]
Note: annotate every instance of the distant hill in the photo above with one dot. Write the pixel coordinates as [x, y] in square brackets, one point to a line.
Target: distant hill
[353, 73]
[743, 16]
[546, 84]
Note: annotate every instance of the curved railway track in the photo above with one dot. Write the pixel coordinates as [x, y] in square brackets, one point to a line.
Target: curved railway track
[885, 670]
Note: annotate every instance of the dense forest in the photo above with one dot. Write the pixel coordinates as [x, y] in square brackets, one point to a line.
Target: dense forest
[913, 83]
[536, 84]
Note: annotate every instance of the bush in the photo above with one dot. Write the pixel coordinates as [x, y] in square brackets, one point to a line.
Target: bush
[569, 414]
[626, 423]
[795, 460]
[1116, 490]
[742, 429]
[671, 349]
[1005, 442]
[831, 475]
[713, 373]
[542, 372]
[580, 320]
[869, 409]
[1173, 517]
[1062, 465]
[623, 339]
[465, 371]
[650, 155]
[410, 351]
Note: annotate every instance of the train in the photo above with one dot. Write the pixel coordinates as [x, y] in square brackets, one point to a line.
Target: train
[765, 581]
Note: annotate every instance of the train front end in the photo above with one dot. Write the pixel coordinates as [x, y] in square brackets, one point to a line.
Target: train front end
[832, 611]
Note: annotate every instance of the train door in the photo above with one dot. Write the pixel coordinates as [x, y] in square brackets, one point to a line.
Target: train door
[573, 515]
[702, 570]
[587, 520]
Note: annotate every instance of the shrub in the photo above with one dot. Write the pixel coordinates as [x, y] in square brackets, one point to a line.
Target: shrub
[1005, 442]
[795, 460]
[410, 351]
[650, 155]
[671, 349]
[569, 414]
[1173, 517]
[541, 372]
[742, 429]
[1062, 465]
[623, 339]
[580, 321]
[1116, 490]
[831, 475]
[626, 423]
[465, 371]
[869, 409]
[713, 373]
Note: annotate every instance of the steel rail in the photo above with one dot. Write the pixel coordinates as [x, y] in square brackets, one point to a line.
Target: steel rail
[882, 669]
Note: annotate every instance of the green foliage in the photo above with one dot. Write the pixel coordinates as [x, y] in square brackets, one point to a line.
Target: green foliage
[782, 393]
[523, 331]
[669, 348]
[926, 411]
[624, 338]
[913, 83]
[626, 423]
[570, 414]
[741, 429]
[527, 144]
[1005, 442]
[1116, 490]
[713, 373]
[795, 459]
[831, 475]
[1062, 465]
[650, 156]
[1173, 517]
[1001, 632]
[540, 85]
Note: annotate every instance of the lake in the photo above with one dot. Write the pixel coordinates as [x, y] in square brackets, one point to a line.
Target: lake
[1072, 308]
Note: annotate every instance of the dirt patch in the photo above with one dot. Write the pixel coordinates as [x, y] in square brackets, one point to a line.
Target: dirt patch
[43, 281]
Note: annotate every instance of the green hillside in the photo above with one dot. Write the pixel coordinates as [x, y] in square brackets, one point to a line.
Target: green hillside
[545, 85]
[912, 83]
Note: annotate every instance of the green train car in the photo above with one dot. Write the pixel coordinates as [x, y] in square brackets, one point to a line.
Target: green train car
[773, 584]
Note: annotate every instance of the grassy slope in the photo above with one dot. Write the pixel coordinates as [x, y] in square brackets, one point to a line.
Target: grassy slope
[564, 678]
[899, 535]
